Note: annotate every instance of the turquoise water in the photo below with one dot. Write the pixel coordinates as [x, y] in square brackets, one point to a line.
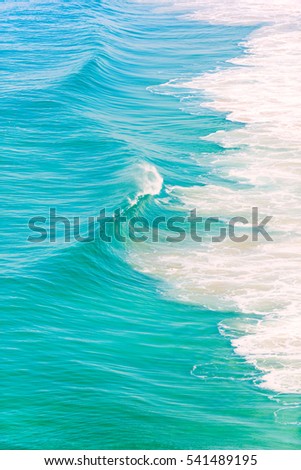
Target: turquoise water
[94, 354]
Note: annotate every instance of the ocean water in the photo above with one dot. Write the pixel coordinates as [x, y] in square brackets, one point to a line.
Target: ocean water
[155, 108]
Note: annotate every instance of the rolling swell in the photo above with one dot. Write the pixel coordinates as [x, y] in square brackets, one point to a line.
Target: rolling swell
[93, 355]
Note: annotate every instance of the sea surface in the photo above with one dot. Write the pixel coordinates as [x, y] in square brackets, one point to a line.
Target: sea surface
[153, 108]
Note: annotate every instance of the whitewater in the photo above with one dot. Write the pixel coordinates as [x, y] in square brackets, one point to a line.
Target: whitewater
[259, 167]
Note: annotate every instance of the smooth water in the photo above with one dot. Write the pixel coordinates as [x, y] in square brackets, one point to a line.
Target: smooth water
[101, 345]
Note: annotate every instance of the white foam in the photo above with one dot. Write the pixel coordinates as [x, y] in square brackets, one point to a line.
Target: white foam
[263, 91]
[232, 12]
[148, 179]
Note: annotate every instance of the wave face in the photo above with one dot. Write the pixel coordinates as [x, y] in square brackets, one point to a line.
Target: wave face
[101, 343]
[260, 167]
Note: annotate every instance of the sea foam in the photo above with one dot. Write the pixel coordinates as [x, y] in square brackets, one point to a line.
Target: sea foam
[261, 167]
[148, 179]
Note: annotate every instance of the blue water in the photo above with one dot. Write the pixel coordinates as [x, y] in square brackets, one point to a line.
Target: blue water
[93, 354]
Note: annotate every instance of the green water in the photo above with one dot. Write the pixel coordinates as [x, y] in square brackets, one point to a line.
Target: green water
[93, 354]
